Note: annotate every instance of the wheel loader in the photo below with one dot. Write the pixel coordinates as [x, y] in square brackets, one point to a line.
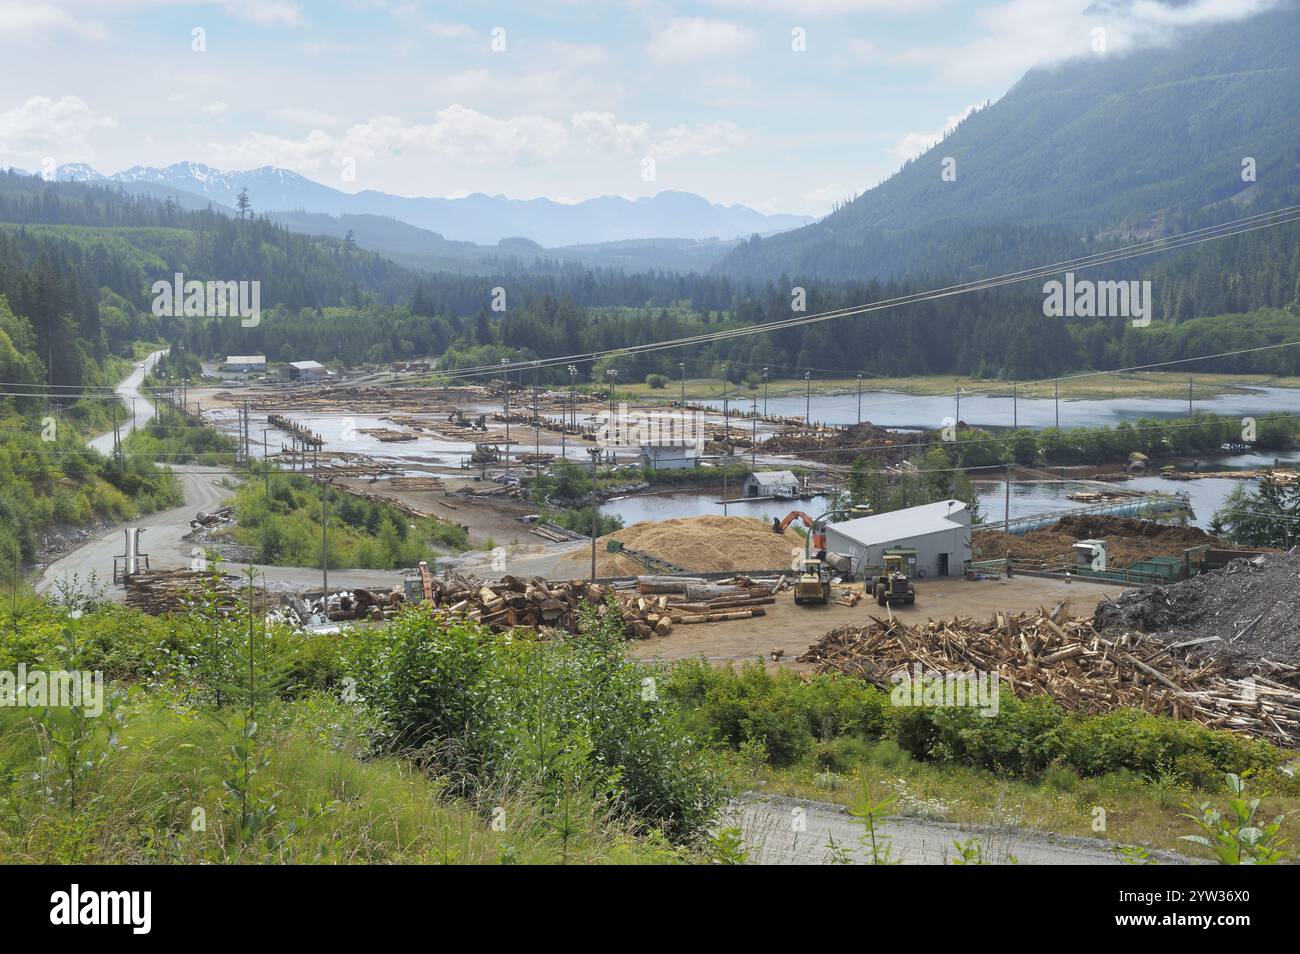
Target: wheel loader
[891, 584]
[814, 583]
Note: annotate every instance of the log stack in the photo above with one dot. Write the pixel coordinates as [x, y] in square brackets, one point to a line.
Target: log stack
[513, 601]
[1062, 656]
[173, 591]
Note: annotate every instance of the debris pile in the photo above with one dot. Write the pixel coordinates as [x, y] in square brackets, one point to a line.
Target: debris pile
[338, 607]
[843, 445]
[1067, 658]
[1127, 540]
[1243, 616]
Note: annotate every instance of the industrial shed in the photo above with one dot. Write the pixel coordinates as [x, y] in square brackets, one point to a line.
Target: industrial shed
[771, 483]
[305, 371]
[936, 536]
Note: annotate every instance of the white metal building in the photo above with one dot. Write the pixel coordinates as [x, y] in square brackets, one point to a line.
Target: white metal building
[245, 362]
[938, 532]
[771, 483]
[670, 456]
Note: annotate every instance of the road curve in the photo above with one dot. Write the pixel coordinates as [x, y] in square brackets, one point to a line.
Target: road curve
[128, 389]
[795, 831]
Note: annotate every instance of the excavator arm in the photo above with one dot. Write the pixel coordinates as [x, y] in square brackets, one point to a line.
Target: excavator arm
[778, 526]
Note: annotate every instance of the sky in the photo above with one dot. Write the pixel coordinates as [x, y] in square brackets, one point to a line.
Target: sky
[781, 105]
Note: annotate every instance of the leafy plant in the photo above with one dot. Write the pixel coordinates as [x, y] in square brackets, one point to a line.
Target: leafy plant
[1234, 835]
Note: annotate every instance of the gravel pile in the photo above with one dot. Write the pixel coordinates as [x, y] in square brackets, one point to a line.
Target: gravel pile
[1251, 606]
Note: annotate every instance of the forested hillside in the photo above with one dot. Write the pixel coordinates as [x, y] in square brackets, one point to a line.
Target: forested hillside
[1119, 146]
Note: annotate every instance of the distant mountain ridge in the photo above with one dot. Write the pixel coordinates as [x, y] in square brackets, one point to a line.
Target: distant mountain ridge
[477, 218]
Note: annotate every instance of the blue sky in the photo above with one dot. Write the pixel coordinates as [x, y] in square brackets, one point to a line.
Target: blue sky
[573, 99]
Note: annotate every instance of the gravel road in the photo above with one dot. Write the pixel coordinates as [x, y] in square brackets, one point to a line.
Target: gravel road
[128, 389]
[785, 831]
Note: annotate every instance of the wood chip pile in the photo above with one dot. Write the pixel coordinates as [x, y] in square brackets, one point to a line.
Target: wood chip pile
[1065, 657]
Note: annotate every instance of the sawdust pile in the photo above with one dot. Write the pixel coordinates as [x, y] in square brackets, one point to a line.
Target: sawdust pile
[698, 544]
[1128, 540]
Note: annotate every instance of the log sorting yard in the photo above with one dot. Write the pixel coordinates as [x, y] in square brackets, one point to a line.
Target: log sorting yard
[721, 587]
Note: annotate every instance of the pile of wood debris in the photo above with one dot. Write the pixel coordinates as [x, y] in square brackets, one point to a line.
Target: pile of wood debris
[512, 601]
[1066, 658]
[662, 602]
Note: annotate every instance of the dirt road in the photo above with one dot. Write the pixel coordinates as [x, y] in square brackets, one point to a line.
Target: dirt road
[785, 831]
[128, 389]
[795, 628]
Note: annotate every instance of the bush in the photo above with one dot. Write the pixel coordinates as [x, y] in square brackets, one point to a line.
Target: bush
[656, 381]
[493, 706]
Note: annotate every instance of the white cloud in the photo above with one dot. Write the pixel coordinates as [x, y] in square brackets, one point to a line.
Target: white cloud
[303, 117]
[24, 19]
[575, 55]
[828, 195]
[696, 38]
[43, 126]
[1020, 34]
[216, 108]
[603, 131]
[864, 50]
[913, 144]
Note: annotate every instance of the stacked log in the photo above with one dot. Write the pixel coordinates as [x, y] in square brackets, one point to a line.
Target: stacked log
[1065, 657]
[513, 601]
[173, 591]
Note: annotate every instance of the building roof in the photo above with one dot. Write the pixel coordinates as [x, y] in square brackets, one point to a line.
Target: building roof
[246, 359]
[900, 524]
[774, 477]
[306, 365]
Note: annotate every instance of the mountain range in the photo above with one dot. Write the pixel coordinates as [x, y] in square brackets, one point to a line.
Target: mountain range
[477, 218]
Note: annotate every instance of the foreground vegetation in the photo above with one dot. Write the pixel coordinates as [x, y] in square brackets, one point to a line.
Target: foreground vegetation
[280, 518]
[430, 740]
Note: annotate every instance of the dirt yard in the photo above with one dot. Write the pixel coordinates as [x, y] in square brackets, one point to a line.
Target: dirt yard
[795, 628]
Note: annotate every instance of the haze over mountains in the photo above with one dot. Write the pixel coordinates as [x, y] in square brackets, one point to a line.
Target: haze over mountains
[477, 218]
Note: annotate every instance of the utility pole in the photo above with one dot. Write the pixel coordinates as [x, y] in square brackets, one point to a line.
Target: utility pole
[1057, 401]
[765, 392]
[1006, 505]
[595, 455]
[1015, 407]
[726, 416]
[957, 420]
[612, 374]
[573, 395]
[324, 549]
[753, 434]
[505, 362]
[1189, 397]
[859, 397]
[682, 366]
[807, 399]
[266, 464]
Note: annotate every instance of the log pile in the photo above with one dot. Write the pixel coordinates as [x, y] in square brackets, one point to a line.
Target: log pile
[653, 609]
[1062, 656]
[172, 591]
[512, 601]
